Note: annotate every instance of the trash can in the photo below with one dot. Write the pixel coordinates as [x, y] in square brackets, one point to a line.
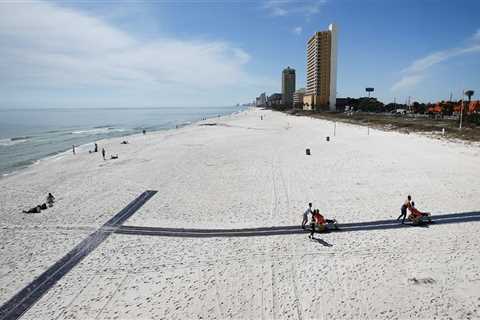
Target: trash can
[307, 151]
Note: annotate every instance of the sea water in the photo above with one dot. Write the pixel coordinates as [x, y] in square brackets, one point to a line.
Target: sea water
[28, 135]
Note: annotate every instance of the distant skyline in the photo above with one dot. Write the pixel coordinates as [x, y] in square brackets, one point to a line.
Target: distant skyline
[213, 53]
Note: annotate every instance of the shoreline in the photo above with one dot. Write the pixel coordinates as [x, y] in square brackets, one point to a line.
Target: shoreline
[82, 147]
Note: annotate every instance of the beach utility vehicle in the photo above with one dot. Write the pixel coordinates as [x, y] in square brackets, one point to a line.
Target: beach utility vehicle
[320, 224]
[331, 226]
[417, 217]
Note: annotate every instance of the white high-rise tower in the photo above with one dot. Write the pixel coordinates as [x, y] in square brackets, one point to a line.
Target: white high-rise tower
[333, 67]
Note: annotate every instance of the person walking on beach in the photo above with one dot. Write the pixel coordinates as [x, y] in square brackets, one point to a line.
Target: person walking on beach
[103, 153]
[312, 225]
[403, 210]
[95, 149]
[73, 148]
[305, 215]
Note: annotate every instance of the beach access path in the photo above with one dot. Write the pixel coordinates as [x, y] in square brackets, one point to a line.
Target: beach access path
[242, 172]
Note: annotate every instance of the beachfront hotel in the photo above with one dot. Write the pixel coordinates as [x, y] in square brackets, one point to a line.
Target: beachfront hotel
[321, 86]
[298, 98]
[288, 86]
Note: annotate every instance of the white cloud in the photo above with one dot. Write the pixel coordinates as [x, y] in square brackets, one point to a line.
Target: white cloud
[43, 45]
[297, 30]
[288, 7]
[414, 73]
[407, 81]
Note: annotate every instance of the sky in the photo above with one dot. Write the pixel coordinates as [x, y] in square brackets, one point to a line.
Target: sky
[56, 54]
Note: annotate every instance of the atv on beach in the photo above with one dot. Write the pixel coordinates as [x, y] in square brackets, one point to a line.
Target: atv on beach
[329, 225]
[418, 217]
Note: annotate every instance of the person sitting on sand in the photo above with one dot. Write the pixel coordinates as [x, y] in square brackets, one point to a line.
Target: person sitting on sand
[50, 199]
[36, 209]
[124, 142]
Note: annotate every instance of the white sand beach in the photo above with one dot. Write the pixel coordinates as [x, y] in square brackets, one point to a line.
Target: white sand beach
[245, 172]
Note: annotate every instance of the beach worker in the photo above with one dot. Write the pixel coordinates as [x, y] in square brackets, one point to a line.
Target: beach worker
[305, 215]
[312, 226]
[73, 148]
[318, 217]
[312, 230]
[95, 149]
[103, 153]
[50, 199]
[403, 210]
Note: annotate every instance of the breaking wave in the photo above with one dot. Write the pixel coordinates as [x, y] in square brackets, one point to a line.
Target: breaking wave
[12, 141]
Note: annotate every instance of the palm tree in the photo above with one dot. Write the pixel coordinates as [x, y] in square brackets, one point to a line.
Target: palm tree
[469, 94]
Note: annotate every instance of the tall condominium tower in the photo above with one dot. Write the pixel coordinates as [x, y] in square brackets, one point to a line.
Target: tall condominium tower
[288, 86]
[321, 90]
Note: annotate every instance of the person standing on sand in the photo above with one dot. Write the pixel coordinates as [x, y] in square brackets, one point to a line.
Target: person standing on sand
[305, 215]
[103, 153]
[312, 226]
[95, 148]
[73, 148]
[403, 210]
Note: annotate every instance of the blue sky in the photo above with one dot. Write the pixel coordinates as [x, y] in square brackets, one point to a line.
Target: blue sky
[199, 53]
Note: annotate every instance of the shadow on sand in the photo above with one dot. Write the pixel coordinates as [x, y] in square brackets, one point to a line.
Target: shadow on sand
[322, 242]
[452, 218]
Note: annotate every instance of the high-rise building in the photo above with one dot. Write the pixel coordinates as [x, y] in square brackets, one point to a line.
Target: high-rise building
[321, 90]
[288, 86]
[298, 98]
[261, 100]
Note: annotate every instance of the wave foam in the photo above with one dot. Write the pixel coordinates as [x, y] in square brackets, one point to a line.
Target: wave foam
[98, 131]
[13, 141]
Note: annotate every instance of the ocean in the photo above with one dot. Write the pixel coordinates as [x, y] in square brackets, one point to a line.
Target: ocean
[28, 135]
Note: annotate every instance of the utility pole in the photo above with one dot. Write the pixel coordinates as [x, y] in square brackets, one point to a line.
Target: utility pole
[461, 116]
[461, 111]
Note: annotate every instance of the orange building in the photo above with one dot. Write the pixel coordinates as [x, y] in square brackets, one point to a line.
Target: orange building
[473, 107]
[437, 108]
